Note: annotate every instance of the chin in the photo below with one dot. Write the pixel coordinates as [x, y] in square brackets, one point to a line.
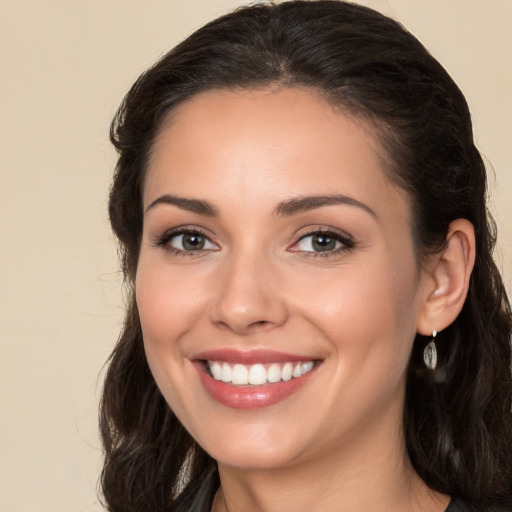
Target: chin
[252, 446]
[252, 457]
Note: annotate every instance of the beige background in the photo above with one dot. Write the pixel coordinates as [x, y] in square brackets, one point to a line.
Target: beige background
[64, 67]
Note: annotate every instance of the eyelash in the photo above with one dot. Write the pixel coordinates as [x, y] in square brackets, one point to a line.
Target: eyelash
[164, 239]
[346, 242]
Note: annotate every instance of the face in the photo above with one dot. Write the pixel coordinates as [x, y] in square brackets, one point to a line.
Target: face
[277, 286]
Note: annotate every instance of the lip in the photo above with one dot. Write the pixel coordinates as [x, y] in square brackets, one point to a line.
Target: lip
[250, 356]
[250, 397]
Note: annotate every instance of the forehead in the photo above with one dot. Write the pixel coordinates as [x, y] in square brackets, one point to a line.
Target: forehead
[262, 144]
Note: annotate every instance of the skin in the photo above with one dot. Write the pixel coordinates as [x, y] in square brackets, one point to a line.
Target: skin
[337, 443]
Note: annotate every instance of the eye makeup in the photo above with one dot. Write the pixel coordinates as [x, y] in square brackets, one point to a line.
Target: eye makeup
[192, 241]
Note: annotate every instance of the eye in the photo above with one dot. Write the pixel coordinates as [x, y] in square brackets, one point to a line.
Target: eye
[185, 241]
[190, 242]
[326, 242]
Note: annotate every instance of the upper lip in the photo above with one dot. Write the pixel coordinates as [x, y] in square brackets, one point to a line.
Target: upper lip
[250, 356]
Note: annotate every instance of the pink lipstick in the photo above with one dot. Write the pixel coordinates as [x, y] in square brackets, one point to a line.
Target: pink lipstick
[252, 379]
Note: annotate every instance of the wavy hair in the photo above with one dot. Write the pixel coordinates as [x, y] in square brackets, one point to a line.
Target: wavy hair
[458, 420]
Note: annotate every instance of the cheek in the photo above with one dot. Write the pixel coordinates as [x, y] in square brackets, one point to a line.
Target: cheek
[167, 301]
[368, 313]
[351, 297]
[371, 327]
[167, 305]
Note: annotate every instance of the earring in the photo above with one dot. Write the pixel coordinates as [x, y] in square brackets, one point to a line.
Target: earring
[430, 353]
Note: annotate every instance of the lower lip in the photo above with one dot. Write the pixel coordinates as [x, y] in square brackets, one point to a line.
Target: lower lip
[250, 397]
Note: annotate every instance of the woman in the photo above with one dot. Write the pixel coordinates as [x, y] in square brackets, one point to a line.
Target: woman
[315, 321]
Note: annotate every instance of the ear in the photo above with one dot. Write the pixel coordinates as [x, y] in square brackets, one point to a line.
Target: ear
[446, 280]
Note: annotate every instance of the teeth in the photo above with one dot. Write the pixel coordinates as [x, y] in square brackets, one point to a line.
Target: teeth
[226, 373]
[216, 370]
[306, 367]
[257, 374]
[287, 371]
[240, 375]
[274, 373]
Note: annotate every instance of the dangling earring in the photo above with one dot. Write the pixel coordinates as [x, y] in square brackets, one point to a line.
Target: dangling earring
[430, 353]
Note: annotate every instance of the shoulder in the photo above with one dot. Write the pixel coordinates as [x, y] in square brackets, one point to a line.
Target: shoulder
[462, 506]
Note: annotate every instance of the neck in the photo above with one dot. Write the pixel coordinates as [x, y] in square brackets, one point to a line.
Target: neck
[370, 472]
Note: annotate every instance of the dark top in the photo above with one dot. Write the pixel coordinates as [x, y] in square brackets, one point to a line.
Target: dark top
[454, 506]
[201, 500]
[459, 506]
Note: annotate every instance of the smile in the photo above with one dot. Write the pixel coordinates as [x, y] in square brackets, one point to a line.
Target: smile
[258, 374]
[253, 379]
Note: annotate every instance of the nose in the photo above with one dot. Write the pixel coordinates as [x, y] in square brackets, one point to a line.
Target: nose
[249, 298]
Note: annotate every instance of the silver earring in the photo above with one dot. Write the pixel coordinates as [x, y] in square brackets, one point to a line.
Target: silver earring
[430, 353]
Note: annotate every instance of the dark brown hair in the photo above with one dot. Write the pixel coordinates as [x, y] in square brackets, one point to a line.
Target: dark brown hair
[458, 420]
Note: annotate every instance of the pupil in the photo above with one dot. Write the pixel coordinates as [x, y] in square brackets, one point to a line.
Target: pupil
[193, 242]
[323, 243]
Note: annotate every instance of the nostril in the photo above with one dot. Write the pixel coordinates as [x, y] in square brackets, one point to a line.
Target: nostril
[244, 311]
[260, 325]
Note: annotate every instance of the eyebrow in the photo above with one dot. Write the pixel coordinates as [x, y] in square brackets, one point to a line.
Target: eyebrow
[304, 204]
[199, 206]
[284, 209]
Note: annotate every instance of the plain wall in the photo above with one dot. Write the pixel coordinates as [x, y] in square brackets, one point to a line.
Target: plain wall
[64, 67]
